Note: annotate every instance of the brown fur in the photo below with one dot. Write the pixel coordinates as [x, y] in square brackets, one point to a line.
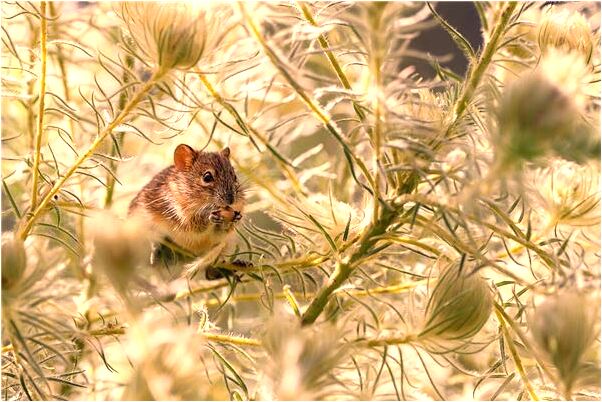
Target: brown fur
[179, 203]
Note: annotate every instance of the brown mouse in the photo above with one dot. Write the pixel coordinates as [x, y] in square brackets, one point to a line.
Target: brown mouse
[194, 203]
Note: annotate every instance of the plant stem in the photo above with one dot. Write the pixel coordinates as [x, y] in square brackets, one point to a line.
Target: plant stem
[230, 339]
[344, 269]
[313, 105]
[398, 340]
[323, 41]
[516, 357]
[129, 62]
[131, 105]
[476, 73]
[41, 106]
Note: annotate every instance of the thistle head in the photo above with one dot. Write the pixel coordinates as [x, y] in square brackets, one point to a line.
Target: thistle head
[120, 248]
[168, 363]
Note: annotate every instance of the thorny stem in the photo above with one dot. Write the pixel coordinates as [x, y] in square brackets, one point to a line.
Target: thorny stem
[376, 59]
[516, 357]
[41, 106]
[136, 99]
[516, 329]
[344, 269]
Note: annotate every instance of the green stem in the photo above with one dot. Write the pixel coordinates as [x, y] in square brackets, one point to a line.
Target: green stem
[131, 105]
[323, 41]
[344, 269]
[41, 98]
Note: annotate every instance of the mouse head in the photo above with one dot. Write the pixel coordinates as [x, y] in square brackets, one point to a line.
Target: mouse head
[208, 184]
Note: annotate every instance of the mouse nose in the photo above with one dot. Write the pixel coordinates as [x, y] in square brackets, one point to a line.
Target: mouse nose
[237, 216]
[230, 198]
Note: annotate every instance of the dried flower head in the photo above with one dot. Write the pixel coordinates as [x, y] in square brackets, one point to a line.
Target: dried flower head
[569, 193]
[564, 328]
[458, 308]
[565, 30]
[300, 360]
[170, 35]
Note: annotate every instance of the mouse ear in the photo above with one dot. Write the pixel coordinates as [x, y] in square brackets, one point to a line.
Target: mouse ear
[183, 156]
[225, 152]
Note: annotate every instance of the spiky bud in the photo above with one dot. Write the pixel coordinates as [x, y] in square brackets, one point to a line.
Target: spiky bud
[459, 306]
[564, 328]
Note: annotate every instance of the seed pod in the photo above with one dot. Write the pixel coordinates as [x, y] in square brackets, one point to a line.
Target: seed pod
[566, 30]
[13, 261]
[170, 35]
[458, 308]
[564, 328]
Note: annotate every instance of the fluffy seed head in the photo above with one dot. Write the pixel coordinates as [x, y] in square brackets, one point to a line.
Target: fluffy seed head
[564, 328]
[458, 308]
[566, 30]
[568, 192]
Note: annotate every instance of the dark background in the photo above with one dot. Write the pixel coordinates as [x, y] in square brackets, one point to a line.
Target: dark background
[463, 16]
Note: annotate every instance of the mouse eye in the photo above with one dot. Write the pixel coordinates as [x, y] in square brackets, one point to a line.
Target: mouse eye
[207, 177]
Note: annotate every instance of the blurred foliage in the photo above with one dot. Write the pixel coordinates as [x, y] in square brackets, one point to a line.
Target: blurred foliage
[411, 238]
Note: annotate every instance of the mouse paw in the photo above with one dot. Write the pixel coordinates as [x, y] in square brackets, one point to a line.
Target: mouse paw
[216, 218]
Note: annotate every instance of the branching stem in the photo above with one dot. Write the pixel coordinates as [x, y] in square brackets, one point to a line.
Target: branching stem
[130, 106]
[41, 105]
